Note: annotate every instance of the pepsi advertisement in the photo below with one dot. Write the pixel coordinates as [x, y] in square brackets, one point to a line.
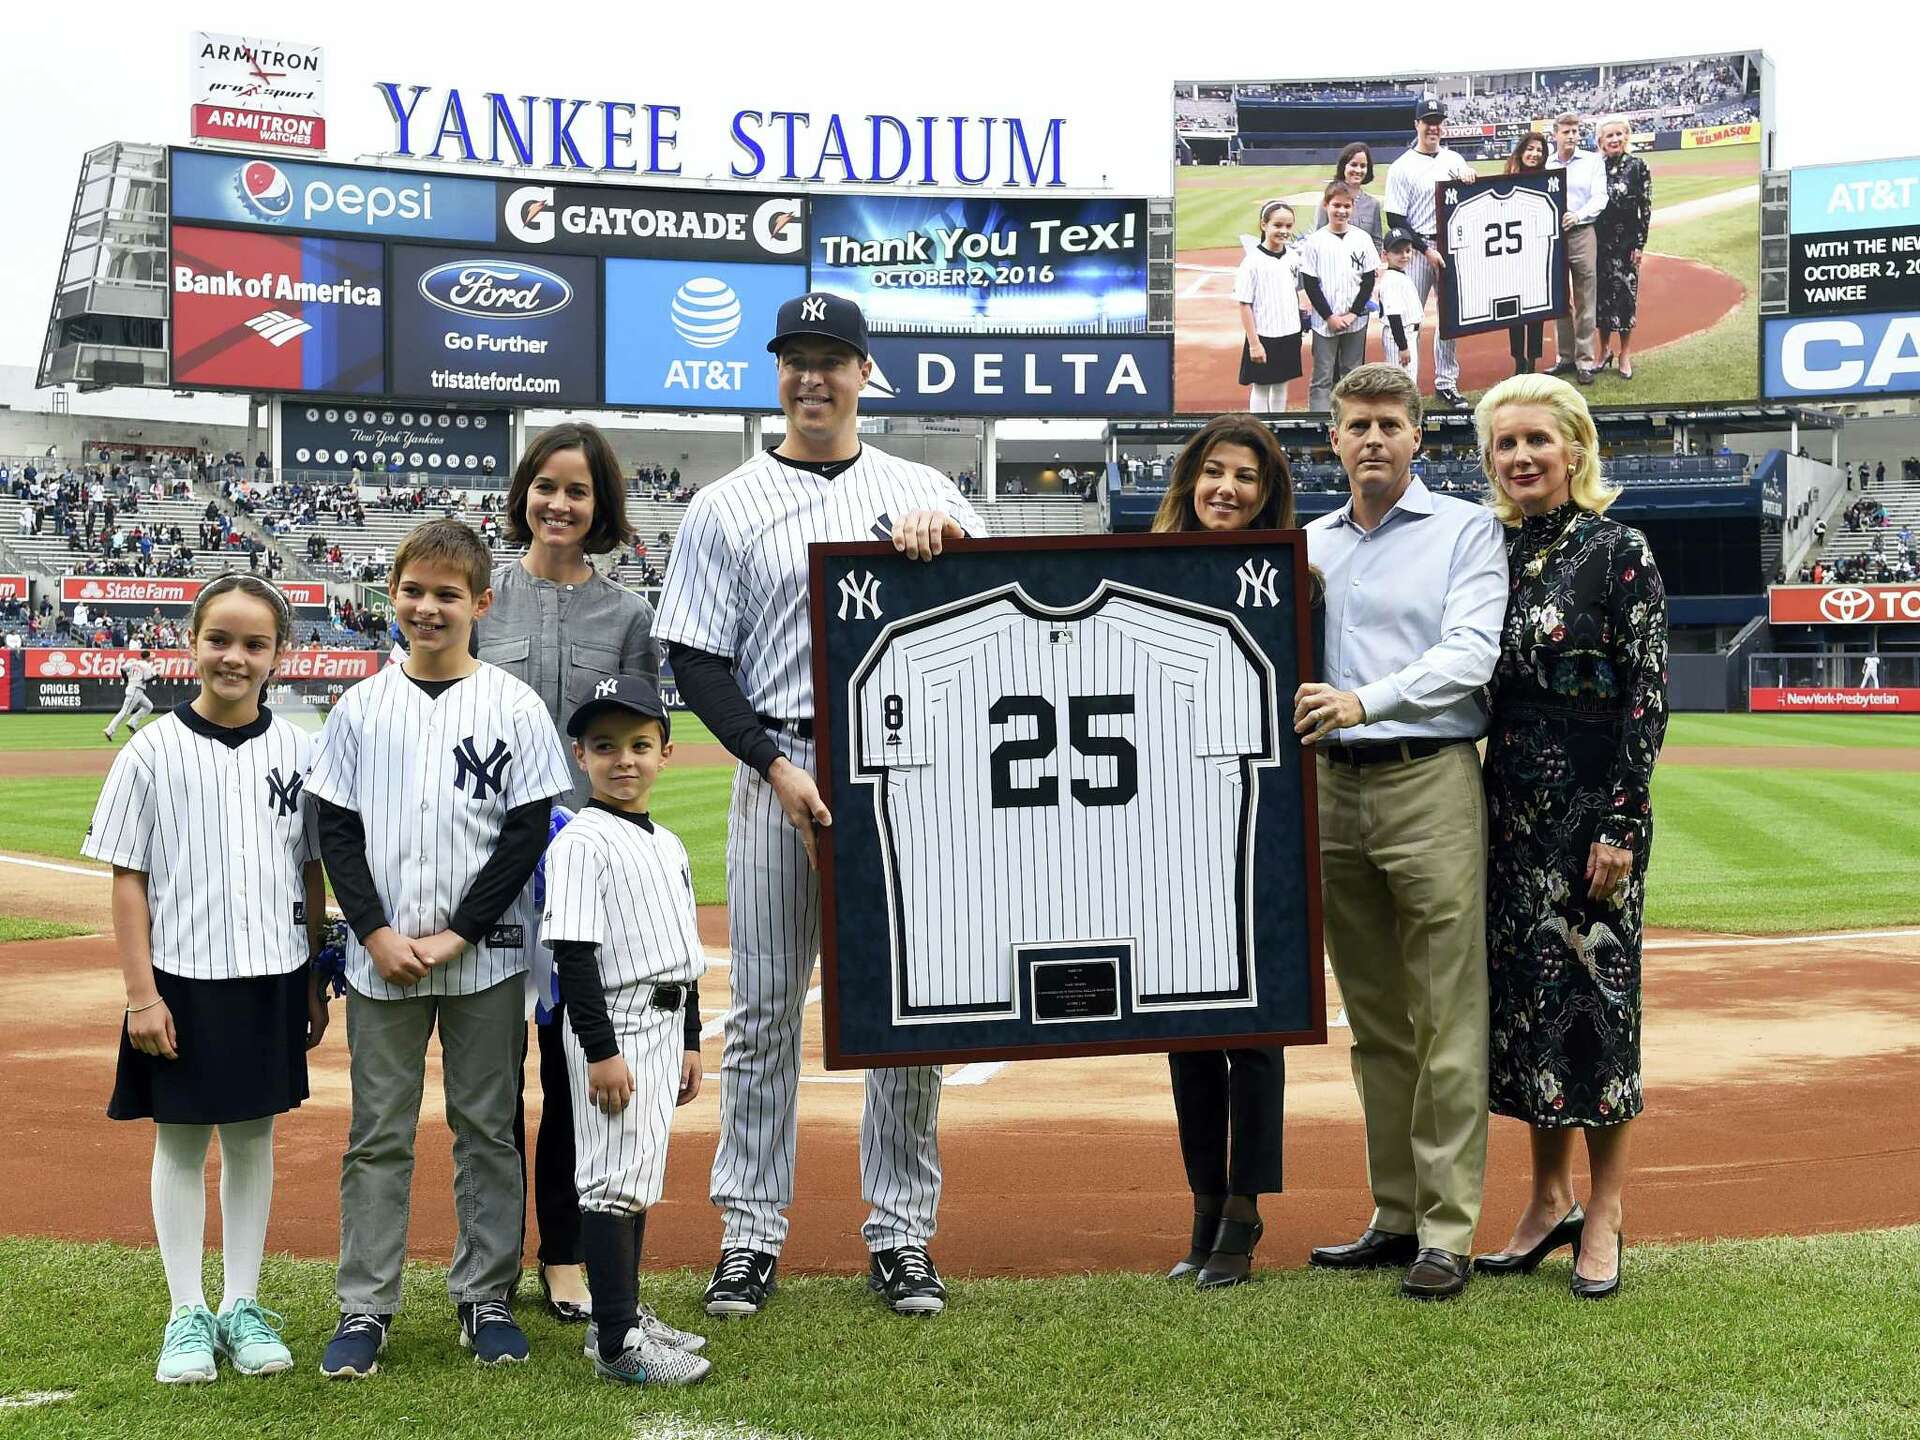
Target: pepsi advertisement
[276, 312]
[339, 199]
[1045, 378]
[686, 335]
[977, 265]
[479, 325]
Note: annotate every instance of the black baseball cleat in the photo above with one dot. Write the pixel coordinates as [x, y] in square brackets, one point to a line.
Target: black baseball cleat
[741, 1282]
[906, 1280]
[1452, 399]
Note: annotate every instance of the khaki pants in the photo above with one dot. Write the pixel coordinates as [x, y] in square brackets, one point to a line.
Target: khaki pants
[1574, 332]
[1403, 872]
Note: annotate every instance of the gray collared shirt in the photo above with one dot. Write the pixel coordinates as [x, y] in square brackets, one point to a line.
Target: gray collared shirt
[1414, 610]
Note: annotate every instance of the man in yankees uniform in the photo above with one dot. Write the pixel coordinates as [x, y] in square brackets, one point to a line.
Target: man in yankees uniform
[734, 617]
[135, 706]
[1410, 203]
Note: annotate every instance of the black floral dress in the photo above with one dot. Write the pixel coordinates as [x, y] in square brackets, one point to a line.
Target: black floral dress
[1578, 711]
[1620, 230]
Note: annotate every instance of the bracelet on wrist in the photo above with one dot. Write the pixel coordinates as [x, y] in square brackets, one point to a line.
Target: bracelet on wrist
[136, 1009]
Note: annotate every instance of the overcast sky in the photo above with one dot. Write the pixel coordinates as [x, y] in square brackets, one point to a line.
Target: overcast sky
[73, 77]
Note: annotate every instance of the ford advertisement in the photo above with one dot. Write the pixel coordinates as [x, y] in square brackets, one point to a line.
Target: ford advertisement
[482, 325]
[690, 335]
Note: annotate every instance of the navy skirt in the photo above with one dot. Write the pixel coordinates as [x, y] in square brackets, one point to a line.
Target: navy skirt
[242, 1053]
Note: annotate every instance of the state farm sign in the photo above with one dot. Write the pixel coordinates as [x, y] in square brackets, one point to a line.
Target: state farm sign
[88, 663]
[1844, 604]
[120, 595]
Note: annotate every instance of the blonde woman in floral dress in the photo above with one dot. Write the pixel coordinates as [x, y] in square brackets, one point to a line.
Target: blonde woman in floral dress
[1578, 713]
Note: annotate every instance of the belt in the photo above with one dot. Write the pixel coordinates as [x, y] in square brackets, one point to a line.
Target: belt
[667, 994]
[1391, 752]
[801, 728]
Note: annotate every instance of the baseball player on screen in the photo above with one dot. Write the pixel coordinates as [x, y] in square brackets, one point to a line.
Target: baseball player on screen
[734, 617]
[1410, 203]
[135, 706]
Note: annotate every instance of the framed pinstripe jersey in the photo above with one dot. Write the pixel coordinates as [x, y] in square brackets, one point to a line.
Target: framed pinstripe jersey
[1069, 814]
[1506, 258]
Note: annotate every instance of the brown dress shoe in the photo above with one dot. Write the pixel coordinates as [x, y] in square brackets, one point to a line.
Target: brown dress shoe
[1435, 1275]
[1374, 1250]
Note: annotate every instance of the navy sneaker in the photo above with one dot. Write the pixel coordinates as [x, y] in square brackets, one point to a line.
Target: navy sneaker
[354, 1351]
[741, 1282]
[487, 1329]
[906, 1280]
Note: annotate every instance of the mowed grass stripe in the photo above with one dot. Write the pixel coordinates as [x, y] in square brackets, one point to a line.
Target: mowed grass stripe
[1770, 1338]
[1797, 731]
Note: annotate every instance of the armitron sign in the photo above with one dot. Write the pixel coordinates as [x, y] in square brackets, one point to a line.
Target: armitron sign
[1844, 605]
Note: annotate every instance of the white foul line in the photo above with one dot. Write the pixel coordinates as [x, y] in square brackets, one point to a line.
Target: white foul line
[63, 869]
[32, 1398]
[1748, 941]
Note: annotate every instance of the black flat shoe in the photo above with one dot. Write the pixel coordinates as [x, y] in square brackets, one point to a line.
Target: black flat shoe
[1374, 1250]
[1584, 1289]
[1206, 1236]
[567, 1312]
[1435, 1275]
[1237, 1238]
[1567, 1232]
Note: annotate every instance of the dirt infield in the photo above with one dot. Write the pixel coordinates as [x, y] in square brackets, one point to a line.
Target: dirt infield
[1775, 1071]
[1678, 298]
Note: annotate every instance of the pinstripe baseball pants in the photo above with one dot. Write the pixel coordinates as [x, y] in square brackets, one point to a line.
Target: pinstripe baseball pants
[620, 1164]
[773, 917]
[1446, 363]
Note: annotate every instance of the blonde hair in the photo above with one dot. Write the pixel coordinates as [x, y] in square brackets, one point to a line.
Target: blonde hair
[1585, 484]
[1611, 121]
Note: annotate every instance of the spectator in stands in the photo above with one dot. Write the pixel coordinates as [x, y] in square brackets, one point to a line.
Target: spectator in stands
[560, 626]
[1621, 231]
[1880, 473]
[1586, 198]
[1577, 715]
[1355, 167]
[1527, 341]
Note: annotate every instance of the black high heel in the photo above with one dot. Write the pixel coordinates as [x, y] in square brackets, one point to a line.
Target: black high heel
[567, 1312]
[1206, 1232]
[1237, 1237]
[1584, 1289]
[1568, 1232]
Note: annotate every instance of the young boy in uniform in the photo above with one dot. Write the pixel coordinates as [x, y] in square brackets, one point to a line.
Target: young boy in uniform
[620, 921]
[1401, 308]
[434, 781]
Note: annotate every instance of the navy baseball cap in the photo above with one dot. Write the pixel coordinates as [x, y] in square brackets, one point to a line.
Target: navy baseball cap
[1429, 107]
[621, 692]
[1400, 235]
[833, 317]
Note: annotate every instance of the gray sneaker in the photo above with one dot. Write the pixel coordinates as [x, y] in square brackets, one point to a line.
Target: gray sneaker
[648, 1362]
[653, 1328]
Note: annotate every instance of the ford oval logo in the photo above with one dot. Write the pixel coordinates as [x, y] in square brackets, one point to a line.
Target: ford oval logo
[495, 289]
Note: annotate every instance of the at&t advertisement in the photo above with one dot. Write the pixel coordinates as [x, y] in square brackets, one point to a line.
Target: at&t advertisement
[690, 335]
[478, 325]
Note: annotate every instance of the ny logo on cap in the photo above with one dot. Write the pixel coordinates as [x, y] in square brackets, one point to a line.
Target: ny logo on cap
[813, 309]
[488, 774]
[283, 794]
[1261, 586]
[605, 688]
[863, 593]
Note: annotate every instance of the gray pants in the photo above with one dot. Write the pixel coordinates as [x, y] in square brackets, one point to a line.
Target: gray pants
[135, 708]
[483, 1041]
[1333, 357]
[1574, 332]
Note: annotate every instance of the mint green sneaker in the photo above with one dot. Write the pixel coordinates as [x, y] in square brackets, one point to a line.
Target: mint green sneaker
[250, 1339]
[186, 1354]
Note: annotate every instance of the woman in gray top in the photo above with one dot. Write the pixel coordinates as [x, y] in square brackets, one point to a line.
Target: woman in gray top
[1355, 167]
[560, 626]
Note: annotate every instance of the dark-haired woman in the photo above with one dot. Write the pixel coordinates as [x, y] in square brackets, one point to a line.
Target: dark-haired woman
[1527, 340]
[1232, 475]
[1355, 167]
[559, 625]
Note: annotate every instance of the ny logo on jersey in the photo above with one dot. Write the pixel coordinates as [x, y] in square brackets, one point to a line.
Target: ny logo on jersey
[1259, 586]
[882, 528]
[488, 774]
[283, 794]
[813, 309]
[863, 593]
[605, 688]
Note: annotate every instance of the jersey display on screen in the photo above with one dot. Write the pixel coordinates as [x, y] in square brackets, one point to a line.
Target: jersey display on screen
[1506, 261]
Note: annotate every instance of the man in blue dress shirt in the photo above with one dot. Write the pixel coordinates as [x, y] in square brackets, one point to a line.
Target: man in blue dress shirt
[1416, 587]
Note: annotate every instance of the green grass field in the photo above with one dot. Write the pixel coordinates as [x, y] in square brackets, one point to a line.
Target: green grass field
[15, 927]
[1775, 1338]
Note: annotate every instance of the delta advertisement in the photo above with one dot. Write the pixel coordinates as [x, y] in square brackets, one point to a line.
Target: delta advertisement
[1026, 377]
[691, 336]
[373, 439]
[472, 324]
[977, 265]
[90, 679]
[276, 312]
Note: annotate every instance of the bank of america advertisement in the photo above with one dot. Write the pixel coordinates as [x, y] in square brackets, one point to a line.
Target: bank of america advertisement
[483, 325]
[276, 312]
[692, 335]
[979, 265]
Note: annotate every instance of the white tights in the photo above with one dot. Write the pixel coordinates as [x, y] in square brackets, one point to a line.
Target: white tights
[180, 1205]
[1267, 399]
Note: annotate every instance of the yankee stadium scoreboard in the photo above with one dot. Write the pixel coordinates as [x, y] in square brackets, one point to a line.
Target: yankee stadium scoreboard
[353, 282]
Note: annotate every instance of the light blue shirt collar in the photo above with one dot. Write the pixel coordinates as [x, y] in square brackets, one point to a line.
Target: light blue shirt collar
[1416, 499]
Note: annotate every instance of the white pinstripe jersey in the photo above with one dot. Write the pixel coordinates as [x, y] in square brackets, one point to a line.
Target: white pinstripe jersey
[1270, 283]
[136, 673]
[1501, 252]
[1112, 746]
[737, 580]
[433, 779]
[222, 836]
[1410, 182]
[1399, 297]
[1337, 262]
[615, 884]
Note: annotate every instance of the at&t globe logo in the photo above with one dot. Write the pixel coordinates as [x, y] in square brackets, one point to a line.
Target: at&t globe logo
[1847, 605]
[264, 190]
[706, 312]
